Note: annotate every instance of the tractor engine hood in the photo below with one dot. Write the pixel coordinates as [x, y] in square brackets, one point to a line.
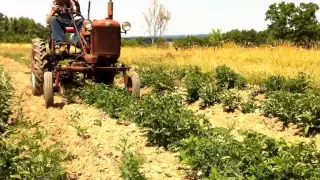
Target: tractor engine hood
[106, 38]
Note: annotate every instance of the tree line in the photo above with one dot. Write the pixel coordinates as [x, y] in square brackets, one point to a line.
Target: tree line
[288, 22]
[20, 30]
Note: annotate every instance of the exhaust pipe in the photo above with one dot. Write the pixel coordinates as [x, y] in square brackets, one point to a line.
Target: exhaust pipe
[110, 9]
[89, 6]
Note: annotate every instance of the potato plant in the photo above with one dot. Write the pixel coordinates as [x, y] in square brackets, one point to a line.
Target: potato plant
[194, 81]
[248, 106]
[230, 100]
[299, 84]
[211, 152]
[255, 157]
[5, 97]
[296, 108]
[159, 78]
[166, 119]
[130, 162]
[210, 95]
[28, 159]
[229, 79]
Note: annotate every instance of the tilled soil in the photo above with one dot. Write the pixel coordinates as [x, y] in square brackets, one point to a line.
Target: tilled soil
[94, 154]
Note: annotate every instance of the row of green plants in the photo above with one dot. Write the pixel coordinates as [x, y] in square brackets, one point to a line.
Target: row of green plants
[213, 153]
[223, 84]
[5, 97]
[130, 166]
[22, 155]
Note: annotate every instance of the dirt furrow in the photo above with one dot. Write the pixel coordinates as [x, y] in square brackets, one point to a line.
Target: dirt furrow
[94, 154]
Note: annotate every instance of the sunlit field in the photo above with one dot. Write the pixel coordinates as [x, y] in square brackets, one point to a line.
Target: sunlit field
[253, 63]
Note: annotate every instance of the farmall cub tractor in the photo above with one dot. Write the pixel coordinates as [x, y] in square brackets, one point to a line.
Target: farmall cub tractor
[100, 42]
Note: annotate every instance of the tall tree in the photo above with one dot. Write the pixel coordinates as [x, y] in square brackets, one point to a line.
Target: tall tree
[293, 23]
[280, 16]
[305, 23]
[157, 18]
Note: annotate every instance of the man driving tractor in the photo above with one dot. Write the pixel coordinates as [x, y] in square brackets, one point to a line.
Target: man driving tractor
[59, 18]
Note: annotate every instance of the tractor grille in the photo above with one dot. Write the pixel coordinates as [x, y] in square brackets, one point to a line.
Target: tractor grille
[105, 40]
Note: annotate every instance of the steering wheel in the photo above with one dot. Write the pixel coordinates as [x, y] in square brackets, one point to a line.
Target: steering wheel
[74, 12]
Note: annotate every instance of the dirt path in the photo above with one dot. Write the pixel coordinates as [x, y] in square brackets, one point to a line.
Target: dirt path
[94, 157]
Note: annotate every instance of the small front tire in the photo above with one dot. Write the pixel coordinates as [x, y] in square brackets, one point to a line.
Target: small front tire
[36, 83]
[133, 84]
[48, 89]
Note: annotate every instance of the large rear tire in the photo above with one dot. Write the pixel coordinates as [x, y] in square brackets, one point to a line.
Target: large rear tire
[48, 89]
[38, 62]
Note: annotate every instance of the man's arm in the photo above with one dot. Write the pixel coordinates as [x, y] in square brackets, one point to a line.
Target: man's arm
[51, 13]
[73, 5]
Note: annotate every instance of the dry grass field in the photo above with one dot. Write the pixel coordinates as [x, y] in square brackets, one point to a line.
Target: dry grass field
[253, 63]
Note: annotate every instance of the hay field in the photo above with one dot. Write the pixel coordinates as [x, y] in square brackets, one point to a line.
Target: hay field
[253, 63]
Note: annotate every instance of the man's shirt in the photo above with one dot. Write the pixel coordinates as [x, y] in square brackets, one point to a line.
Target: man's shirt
[64, 8]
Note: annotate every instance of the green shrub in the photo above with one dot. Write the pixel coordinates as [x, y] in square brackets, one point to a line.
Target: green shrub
[248, 106]
[300, 84]
[230, 101]
[296, 108]
[227, 78]
[166, 119]
[210, 95]
[5, 98]
[107, 97]
[255, 157]
[158, 77]
[194, 81]
[130, 163]
[28, 159]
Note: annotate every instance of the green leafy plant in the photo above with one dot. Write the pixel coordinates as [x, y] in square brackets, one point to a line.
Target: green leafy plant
[28, 159]
[158, 77]
[300, 84]
[5, 98]
[194, 81]
[227, 78]
[107, 97]
[82, 132]
[248, 106]
[130, 163]
[296, 108]
[255, 157]
[230, 100]
[166, 119]
[210, 95]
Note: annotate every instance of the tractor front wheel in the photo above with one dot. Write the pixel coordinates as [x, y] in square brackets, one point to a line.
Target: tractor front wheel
[133, 83]
[48, 89]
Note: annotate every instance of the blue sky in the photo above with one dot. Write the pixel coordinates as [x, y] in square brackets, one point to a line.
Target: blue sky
[188, 16]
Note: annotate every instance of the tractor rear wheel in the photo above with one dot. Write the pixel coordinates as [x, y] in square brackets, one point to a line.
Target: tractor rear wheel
[133, 83]
[48, 89]
[38, 62]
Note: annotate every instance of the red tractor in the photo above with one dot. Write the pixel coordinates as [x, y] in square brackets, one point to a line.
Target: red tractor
[98, 59]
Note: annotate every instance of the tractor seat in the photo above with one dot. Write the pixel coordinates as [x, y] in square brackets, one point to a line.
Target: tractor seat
[70, 30]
